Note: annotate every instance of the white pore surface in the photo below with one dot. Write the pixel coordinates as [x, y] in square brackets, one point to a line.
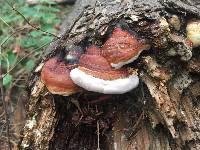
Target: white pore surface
[90, 83]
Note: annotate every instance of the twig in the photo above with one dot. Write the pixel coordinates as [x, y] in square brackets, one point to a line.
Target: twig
[2, 76]
[135, 126]
[6, 23]
[5, 110]
[98, 139]
[137, 123]
[13, 142]
[1, 115]
[27, 21]
[17, 31]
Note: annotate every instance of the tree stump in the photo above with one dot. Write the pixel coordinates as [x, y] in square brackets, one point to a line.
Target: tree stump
[162, 113]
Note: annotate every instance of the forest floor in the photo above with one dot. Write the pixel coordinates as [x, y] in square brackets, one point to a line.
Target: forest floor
[25, 31]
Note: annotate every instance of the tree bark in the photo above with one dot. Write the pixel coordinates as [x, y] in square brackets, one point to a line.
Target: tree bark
[163, 113]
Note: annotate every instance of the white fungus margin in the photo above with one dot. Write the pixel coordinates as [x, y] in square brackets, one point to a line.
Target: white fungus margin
[120, 64]
[90, 83]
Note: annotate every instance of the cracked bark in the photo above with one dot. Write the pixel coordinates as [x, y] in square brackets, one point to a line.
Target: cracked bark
[163, 113]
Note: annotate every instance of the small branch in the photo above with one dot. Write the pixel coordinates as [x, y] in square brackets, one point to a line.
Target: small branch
[27, 21]
[2, 76]
[98, 139]
[17, 31]
[6, 23]
[5, 110]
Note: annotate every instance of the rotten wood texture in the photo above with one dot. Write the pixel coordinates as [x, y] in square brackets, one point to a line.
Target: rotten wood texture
[163, 113]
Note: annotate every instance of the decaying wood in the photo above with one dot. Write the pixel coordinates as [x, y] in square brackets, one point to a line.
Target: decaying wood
[163, 113]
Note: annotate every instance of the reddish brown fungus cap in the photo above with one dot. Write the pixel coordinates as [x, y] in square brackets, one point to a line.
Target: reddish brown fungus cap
[123, 48]
[98, 67]
[93, 50]
[56, 76]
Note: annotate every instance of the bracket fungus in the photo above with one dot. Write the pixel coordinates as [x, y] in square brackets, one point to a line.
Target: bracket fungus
[55, 75]
[95, 74]
[123, 48]
[98, 69]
